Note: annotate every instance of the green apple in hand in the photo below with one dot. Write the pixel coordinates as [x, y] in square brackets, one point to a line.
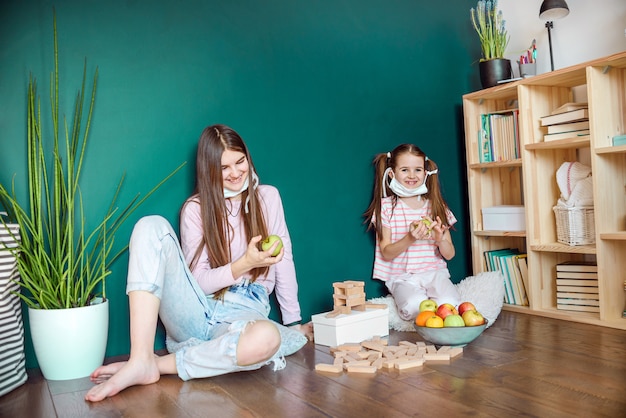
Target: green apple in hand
[267, 243]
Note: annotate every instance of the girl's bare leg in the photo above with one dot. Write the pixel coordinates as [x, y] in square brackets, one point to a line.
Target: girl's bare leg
[143, 367]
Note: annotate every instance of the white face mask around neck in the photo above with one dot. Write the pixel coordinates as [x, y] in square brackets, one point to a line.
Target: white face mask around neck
[403, 191]
[255, 183]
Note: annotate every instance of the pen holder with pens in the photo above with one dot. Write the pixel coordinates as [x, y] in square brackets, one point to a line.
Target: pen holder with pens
[527, 69]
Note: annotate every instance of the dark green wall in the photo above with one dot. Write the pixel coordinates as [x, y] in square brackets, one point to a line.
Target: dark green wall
[316, 88]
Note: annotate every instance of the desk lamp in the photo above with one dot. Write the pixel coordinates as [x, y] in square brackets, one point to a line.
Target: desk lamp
[549, 11]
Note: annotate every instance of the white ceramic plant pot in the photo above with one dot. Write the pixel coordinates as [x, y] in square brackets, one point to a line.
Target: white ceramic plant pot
[70, 343]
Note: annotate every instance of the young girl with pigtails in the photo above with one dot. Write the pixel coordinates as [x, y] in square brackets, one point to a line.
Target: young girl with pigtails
[412, 223]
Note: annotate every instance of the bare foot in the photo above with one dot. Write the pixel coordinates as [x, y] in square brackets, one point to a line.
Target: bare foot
[105, 372]
[116, 377]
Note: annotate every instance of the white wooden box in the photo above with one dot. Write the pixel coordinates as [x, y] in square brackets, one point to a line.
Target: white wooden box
[504, 218]
[350, 328]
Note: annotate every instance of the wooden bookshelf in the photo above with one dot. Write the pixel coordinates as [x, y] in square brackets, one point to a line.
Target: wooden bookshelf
[531, 181]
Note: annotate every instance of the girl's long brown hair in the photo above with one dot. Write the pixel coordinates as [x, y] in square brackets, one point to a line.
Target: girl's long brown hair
[381, 163]
[209, 191]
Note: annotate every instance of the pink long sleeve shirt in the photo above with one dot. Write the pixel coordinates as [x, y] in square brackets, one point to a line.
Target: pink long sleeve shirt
[281, 276]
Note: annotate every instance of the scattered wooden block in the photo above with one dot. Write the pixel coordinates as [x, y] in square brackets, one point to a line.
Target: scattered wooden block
[361, 369]
[349, 347]
[436, 357]
[359, 363]
[373, 345]
[329, 368]
[378, 363]
[455, 352]
[409, 363]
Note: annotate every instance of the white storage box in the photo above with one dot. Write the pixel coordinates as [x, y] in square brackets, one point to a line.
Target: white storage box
[504, 218]
[354, 327]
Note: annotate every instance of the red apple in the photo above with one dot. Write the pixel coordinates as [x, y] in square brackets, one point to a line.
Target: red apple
[466, 306]
[446, 309]
[473, 318]
[428, 305]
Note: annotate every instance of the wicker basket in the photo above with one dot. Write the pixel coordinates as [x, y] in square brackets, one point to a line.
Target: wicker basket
[575, 225]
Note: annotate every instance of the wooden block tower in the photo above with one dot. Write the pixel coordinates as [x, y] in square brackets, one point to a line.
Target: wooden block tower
[349, 295]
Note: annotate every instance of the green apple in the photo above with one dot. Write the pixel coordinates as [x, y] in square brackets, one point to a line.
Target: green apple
[453, 320]
[267, 243]
[428, 305]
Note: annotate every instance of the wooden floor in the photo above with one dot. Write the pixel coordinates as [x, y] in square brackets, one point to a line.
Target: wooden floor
[522, 365]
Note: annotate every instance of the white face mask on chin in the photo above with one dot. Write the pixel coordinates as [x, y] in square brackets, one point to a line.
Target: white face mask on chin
[231, 193]
[403, 191]
[255, 183]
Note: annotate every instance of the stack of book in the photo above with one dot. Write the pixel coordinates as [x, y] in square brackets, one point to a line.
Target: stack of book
[514, 269]
[577, 286]
[498, 138]
[568, 121]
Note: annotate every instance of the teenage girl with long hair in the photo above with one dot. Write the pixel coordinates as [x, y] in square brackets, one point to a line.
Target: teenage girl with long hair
[212, 291]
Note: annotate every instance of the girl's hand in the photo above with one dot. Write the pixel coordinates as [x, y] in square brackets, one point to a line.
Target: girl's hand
[438, 230]
[421, 230]
[254, 258]
[305, 329]
[258, 258]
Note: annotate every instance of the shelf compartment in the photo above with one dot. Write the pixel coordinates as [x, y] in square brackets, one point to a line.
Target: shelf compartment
[557, 247]
[613, 236]
[619, 149]
[496, 164]
[518, 234]
[568, 143]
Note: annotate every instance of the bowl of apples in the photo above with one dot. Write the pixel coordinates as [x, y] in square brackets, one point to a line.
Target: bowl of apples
[446, 324]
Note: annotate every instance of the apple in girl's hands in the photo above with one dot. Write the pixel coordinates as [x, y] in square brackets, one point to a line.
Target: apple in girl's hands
[267, 243]
[427, 222]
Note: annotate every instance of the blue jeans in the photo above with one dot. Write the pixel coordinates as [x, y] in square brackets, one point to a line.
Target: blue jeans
[202, 331]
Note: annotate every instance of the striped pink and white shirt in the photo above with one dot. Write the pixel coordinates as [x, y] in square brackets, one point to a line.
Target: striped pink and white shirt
[422, 255]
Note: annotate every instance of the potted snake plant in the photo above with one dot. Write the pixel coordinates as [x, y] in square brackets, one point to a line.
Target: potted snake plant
[489, 24]
[63, 265]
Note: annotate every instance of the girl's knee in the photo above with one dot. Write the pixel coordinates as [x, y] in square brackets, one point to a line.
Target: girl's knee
[259, 342]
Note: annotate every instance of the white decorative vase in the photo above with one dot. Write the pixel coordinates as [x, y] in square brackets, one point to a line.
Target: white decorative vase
[70, 343]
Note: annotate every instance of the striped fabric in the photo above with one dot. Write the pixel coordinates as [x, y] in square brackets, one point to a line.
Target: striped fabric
[420, 256]
[12, 358]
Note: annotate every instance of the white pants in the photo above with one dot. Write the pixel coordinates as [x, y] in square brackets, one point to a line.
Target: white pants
[409, 290]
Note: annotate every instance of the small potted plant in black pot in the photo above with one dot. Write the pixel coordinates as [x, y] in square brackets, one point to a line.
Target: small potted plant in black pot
[490, 26]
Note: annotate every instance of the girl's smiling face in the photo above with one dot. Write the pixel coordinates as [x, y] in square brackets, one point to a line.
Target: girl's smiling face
[235, 169]
[409, 170]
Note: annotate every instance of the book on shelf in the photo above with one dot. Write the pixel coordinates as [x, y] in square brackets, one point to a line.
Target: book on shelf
[507, 261]
[579, 275]
[565, 135]
[619, 140]
[568, 127]
[578, 308]
[571, 116]
[498, 137]
[581, 266]
[577, 282]
[578, 302]
[592, 290]
[575, 295]
[568, 107]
